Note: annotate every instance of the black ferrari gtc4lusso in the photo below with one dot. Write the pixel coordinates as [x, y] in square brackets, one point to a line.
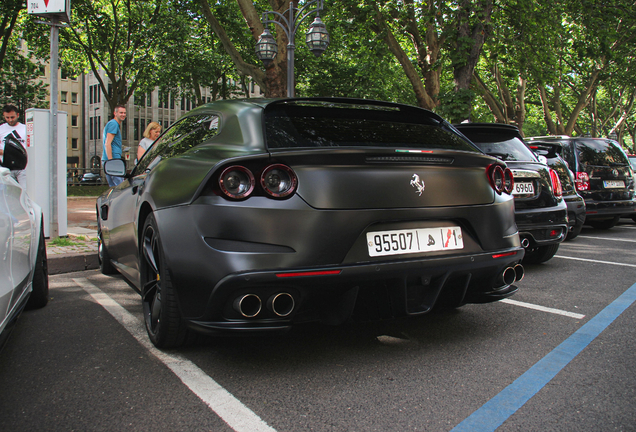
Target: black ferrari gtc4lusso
[256, 215]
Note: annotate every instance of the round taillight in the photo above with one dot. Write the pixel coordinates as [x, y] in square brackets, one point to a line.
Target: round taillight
[509, 181]
[279, 181]
[496, 177]
[556, 184]
[237, 182]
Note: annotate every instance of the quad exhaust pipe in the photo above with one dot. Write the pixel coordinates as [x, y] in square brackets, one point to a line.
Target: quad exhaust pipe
[250, 305]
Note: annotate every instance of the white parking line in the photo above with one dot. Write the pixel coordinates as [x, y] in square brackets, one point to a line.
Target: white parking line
[607, 238]
[543, 308]
[231, 410]
[596, 261]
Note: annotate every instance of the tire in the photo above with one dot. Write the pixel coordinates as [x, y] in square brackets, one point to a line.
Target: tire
[540, 254]
[102, 256]
[575, 232]
[40, 294]
[604, 223]
[165, 327]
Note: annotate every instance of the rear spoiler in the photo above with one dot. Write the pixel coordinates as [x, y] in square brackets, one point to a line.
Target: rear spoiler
[546, 149]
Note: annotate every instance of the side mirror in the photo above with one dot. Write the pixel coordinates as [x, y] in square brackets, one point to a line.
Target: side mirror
[115, 168]
[15, 156]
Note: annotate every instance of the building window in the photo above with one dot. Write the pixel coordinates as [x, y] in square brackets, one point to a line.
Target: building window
[63, 96]
[142, 125]
[74, 143]
[124, 129]
[171, 101]
[90, 127]
[182, 103]
[64, 74]
[90, 94]
[136, 129]
[74, 98]
[149, 99]
[74, 121]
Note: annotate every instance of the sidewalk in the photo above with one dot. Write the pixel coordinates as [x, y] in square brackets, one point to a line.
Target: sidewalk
[79, 251]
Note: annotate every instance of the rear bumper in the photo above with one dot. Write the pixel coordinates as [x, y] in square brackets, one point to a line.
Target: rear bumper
[362, 292]
[543, 226]
[606, 209]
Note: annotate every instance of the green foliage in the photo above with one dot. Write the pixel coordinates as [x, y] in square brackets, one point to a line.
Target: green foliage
[456, 106]
[62, 241]
[85, 190]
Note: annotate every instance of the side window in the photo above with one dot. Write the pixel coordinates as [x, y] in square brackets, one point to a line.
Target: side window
[181, 137]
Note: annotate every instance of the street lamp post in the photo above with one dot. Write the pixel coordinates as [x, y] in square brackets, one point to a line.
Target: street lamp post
[317, 37]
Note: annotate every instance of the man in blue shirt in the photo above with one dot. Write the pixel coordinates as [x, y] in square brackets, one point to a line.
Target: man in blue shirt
[112, 141]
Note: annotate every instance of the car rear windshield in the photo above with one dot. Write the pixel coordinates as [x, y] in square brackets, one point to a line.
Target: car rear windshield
[312, 125]
[507, 149]
[599, 152]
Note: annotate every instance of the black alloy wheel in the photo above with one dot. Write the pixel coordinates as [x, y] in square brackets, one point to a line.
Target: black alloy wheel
[105, 265]
[576, 230]
[40, 295]
[161, 312]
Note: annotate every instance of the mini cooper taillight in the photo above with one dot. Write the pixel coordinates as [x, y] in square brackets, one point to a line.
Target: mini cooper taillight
[582, 181]
[237, 182]
[556, 184]
[279, 181]
[500, 178]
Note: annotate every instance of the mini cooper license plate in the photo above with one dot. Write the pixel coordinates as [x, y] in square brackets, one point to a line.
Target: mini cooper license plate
[613, 184]
[381, 243]
[523, 188]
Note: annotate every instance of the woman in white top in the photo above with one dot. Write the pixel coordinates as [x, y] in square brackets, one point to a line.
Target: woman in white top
[152, 132]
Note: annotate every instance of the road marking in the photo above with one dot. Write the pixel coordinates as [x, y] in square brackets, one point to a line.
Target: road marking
[595, 261]
[543, 308]
[497, 410]
[231, 410]
[607, 238]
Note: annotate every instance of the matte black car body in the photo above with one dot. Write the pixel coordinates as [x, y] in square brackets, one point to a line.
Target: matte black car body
[574, 201]
[541, 216]
[595, 162]
[260, 262]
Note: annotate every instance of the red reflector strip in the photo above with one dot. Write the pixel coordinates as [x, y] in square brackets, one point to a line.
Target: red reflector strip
[504, 254]
[309, 273]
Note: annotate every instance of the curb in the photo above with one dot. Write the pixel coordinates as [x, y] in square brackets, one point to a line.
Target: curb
[72, 262]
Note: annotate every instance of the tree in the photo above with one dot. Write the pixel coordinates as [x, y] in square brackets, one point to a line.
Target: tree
[119, 37]
[9, 12]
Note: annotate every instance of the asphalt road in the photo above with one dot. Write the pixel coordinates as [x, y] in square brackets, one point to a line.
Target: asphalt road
[83, 363]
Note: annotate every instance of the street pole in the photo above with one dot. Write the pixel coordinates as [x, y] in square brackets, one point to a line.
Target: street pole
[54, 227]
[266, 46]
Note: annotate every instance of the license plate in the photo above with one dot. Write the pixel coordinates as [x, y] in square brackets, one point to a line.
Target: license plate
[523, 188]
[396, 242]
[613, 183]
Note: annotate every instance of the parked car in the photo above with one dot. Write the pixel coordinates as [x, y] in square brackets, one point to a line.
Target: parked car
[23, 268]
[574, 201]
[540, 211]
[90, 178]
[256, 215]
[603, 177]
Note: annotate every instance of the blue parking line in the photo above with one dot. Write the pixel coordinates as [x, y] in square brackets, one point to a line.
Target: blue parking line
[498, 409]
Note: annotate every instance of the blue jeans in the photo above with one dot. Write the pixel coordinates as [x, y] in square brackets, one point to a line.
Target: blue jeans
[113, 181]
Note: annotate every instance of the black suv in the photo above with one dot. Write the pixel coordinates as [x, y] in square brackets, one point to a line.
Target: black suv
[574, 201]
[603, 177]
[540, 211]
